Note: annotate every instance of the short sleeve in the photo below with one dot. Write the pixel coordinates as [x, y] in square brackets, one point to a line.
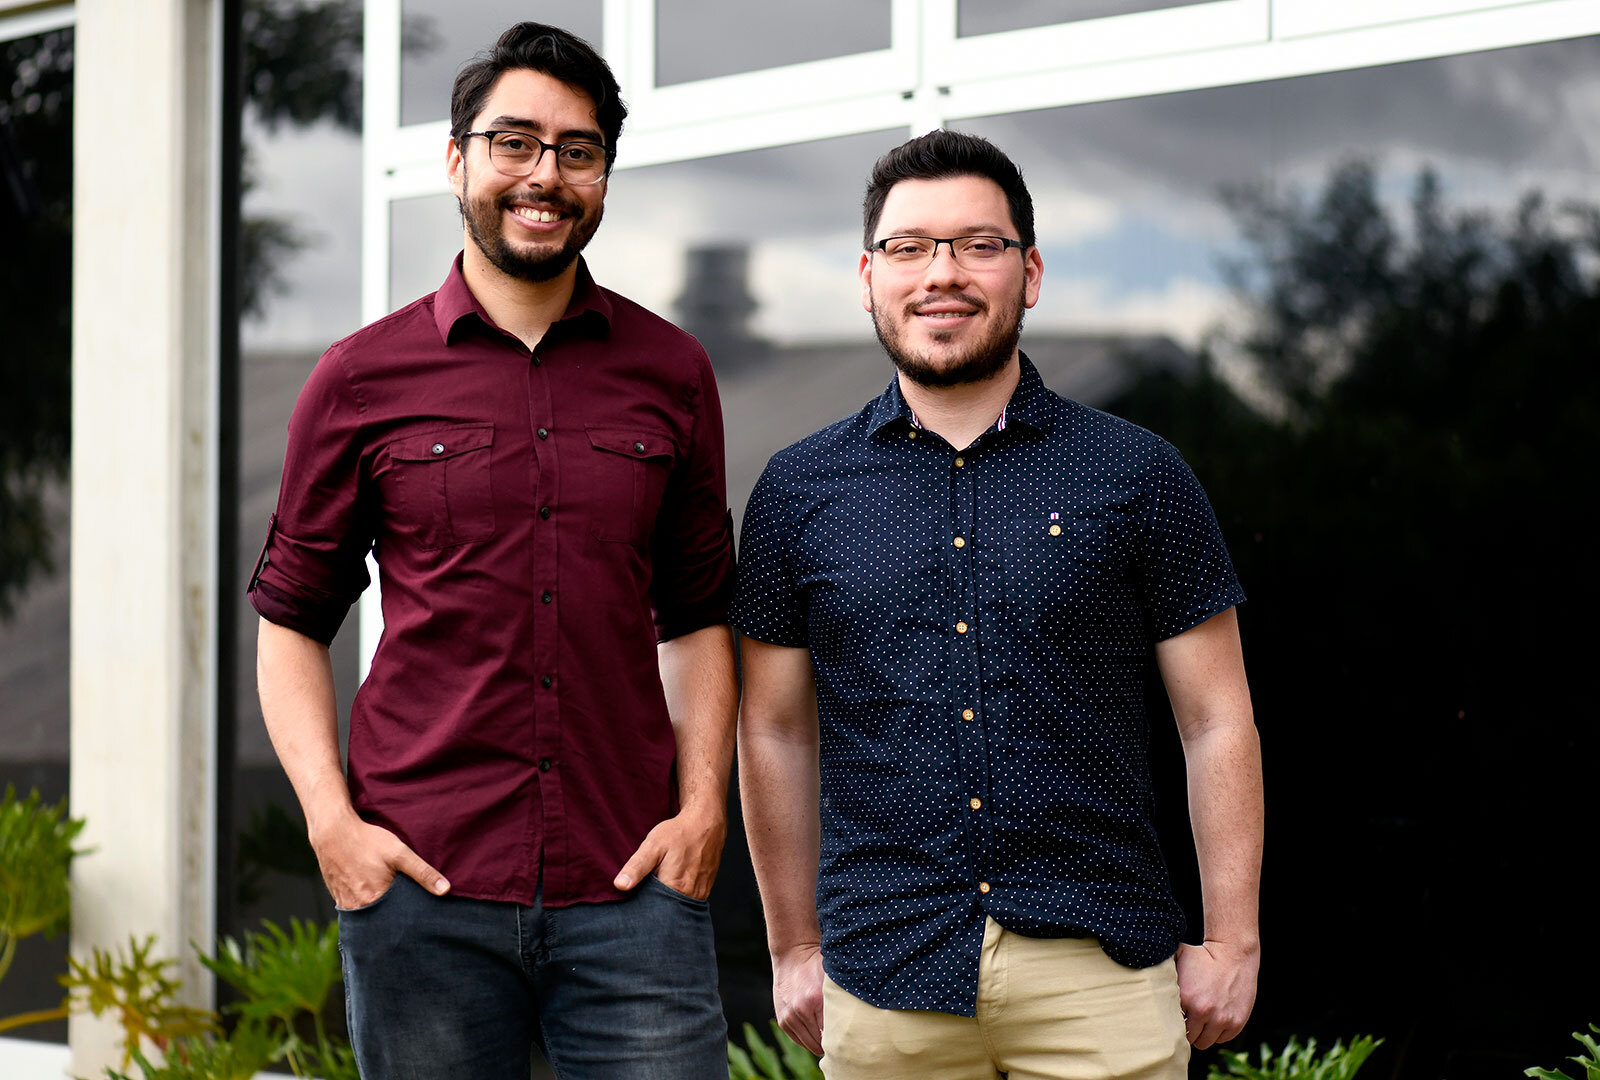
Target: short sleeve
[312, 566]
[1187, 576]
[692, 548]
[767, 603]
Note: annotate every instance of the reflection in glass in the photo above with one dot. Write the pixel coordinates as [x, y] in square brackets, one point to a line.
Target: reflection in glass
[300, 291]
[1386, 284]
[35, 424]
[984, 17]
[438, 36]
[701, 39]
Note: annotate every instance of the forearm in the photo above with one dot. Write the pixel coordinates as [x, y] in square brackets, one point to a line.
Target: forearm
[702, 692]
[778, 783]
[1225, 809]
[294, 677]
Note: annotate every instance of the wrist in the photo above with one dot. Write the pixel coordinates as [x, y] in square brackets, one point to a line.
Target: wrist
[329, 817]
[709, 811]
[1241, 943]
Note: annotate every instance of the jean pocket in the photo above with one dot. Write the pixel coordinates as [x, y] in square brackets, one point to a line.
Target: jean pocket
[674, 893]
[374, 902]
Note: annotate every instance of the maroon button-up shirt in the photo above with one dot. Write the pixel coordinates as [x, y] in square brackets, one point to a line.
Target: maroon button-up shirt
[540, 520]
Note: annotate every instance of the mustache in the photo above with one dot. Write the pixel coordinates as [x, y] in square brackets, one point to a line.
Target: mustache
[542, 201]
[961, 298]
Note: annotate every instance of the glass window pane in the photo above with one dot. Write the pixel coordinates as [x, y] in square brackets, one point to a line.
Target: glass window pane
[700, 39]
[1363, 305]
[300, 285]
[35, 420]
[438, 36]
[985, 17]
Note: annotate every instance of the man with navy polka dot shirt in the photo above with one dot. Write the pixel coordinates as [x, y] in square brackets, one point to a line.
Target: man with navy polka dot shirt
[949, 601]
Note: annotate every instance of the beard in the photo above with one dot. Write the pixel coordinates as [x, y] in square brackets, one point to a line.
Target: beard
[983, 359]
[485, 224]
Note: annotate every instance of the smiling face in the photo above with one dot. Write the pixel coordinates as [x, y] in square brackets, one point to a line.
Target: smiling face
[943, 324]
[530, 227]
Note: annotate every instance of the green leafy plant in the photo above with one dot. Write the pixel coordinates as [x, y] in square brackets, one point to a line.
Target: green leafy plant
[1589, 1060]
[285, 979]
[36, 853]
[248, 1051]
[142, 994]
[759, 1061]
[1297, 1062]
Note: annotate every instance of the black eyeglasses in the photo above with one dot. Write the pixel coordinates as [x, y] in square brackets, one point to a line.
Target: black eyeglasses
[517, 154]
[972, 252]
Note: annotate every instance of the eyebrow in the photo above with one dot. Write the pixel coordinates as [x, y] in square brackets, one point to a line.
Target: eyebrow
[585, 134]
[988, 229]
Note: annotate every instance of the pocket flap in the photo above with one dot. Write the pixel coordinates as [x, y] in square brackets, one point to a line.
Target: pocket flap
[441, 443]
[632, 442]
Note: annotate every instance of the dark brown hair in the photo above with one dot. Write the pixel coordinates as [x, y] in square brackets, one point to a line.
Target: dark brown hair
[940, 155]
[552, 50]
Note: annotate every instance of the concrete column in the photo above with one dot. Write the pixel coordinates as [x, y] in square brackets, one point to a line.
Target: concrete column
[143, 485]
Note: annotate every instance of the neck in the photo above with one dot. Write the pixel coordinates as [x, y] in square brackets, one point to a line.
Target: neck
[522, 308]
[959, 414]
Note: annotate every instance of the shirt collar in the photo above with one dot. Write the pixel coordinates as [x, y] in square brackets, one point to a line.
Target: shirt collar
[1031, 405]
[589, 309]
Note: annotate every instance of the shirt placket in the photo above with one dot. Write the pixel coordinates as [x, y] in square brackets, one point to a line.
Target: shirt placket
[550, 830]
[965, 671]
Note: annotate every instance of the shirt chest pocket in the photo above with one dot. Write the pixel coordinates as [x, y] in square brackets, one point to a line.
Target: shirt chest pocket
[441, 487]
[1055, 572]
[627, 473]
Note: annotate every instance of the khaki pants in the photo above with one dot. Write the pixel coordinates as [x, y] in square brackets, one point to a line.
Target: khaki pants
[1048, 1009]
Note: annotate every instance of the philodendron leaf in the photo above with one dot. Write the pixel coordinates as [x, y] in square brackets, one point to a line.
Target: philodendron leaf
[739, 1064]
[802, 1063]
[763, 1055]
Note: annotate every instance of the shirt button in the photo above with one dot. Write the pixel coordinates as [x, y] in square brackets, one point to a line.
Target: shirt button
[960, 461]
[547, 682]
[537, 361]
[983, 886]
[911, 434]
[967, 714]
[977, 804]
[544, 512]
[438, 448]
[961, 628]
[546, 597]
[543, 433]
[1055, 530]
[544, 764]
[638, 448]
[960, 541]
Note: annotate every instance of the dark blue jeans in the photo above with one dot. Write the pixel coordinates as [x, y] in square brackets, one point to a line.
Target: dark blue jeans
[443, 988]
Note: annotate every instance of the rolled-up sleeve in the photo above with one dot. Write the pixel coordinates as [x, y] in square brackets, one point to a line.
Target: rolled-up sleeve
[692, 548]
[312, 565]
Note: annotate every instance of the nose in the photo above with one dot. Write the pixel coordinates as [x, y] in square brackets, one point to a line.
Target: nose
[546, 173]
[943, 270]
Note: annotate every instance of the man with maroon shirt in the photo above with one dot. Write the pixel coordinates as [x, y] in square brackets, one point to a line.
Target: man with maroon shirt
[532, 818]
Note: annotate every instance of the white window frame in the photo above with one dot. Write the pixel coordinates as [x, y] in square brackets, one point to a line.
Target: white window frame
[1299, 18]
[36, 20]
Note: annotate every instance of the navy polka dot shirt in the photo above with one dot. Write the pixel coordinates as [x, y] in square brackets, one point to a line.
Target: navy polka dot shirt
[980, 622]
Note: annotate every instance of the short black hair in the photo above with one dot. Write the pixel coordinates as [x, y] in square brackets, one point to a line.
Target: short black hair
[539, 47]
[940, 155]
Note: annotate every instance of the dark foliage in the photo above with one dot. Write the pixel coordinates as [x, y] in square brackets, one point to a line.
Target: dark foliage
[35, 219]
[1415, 536]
